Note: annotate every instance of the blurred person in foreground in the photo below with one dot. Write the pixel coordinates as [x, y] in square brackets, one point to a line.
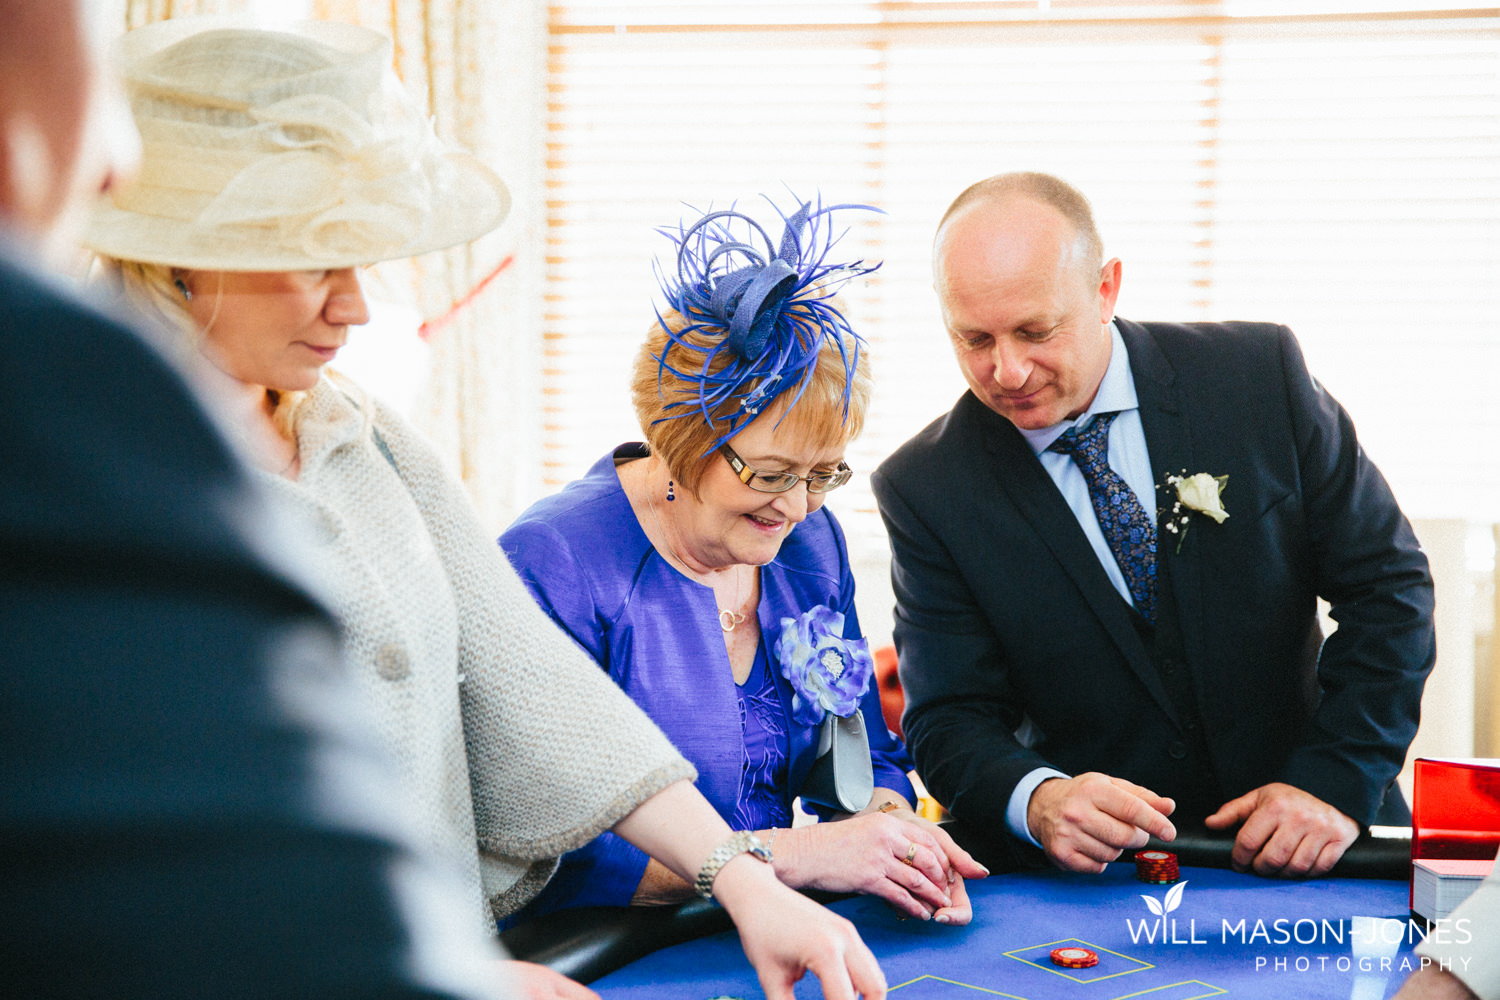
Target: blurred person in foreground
[274, 164]
[703, 574]
[1461, 954]
[1107, 560]
[189, 807]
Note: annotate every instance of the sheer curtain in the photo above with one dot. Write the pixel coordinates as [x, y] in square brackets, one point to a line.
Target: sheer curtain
[479, 66]
[142, 12]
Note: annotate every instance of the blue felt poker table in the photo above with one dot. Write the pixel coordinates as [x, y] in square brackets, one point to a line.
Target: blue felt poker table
[1222, 934]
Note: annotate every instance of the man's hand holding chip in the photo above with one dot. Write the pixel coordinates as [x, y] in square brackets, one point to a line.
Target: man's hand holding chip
[1085, 822]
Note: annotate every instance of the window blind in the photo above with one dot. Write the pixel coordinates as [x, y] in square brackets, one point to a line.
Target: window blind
[1334, 169]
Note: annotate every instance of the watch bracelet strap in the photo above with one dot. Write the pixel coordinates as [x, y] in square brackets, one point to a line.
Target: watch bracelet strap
[742, 842]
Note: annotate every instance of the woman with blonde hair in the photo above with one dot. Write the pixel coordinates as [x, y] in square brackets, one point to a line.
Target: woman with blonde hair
[703, 574]
[275, 163]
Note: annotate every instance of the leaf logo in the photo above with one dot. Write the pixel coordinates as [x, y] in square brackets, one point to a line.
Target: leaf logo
[1167, 904]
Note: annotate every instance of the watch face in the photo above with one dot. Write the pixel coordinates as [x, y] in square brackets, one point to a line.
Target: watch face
[752, 844]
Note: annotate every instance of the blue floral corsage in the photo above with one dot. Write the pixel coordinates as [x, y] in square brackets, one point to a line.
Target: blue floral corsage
[828, 673]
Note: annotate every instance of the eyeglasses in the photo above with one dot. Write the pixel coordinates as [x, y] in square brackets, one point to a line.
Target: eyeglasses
[780, 482]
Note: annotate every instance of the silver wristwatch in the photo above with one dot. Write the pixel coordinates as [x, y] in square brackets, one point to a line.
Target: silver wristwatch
[743, 842]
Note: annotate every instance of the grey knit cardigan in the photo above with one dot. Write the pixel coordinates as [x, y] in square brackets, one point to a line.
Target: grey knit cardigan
[515, 745]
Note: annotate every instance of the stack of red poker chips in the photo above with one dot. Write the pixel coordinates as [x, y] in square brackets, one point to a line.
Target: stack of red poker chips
[1156, 867]
[1075, 958]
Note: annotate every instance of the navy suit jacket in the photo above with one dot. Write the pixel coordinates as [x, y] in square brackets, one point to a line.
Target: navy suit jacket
[189, 803]
[1004, 614]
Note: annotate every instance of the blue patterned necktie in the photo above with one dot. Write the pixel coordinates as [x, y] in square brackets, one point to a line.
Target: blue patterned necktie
[1128, 529]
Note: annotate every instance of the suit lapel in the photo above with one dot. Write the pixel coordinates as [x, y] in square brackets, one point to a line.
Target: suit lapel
[1169, 440]
[1036, 497]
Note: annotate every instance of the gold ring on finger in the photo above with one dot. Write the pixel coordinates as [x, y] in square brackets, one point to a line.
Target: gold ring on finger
[911, 854]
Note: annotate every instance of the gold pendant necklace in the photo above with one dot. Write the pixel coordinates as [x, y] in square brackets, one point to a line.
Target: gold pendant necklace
[728, 617]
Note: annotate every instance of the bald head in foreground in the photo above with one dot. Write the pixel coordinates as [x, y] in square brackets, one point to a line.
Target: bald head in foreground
[1107, 558]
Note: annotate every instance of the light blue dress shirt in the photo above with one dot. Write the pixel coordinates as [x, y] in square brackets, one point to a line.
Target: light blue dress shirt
[1129, 458]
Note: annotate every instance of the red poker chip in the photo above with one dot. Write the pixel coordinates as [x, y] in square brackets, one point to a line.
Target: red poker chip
[1156, 867]
[1075, 958]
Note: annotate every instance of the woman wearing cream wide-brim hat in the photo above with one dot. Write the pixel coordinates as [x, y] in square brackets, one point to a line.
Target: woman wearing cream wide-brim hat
[274, 163]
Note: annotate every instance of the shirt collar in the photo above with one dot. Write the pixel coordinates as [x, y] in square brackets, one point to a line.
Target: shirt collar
[1116, 392]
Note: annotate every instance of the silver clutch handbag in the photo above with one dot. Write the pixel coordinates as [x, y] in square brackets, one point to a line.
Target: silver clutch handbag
[842, 776]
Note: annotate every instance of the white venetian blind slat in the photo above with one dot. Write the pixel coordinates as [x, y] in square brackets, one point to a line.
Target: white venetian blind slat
[1337, 172]
[1377, 232]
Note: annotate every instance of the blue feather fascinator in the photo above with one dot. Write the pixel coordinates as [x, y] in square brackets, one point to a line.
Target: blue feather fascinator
[762, 311]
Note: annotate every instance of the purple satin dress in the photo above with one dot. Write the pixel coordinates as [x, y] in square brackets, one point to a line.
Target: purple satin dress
[584, 557]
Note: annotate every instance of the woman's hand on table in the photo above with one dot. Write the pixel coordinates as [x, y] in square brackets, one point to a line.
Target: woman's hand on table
[905, 860]
[537, 982]
[961, 866]
[786, 935]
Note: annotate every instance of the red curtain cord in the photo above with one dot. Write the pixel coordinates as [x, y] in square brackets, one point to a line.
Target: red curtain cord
[433, 326]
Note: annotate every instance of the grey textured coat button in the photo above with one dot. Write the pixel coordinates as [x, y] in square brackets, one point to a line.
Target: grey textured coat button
[392, 663]
[1177, 750]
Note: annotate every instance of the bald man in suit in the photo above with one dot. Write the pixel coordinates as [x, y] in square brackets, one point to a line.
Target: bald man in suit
[1090, 651]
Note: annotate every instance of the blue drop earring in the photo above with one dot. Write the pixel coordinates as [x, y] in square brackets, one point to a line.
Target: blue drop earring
[670, 495]
[183, 288]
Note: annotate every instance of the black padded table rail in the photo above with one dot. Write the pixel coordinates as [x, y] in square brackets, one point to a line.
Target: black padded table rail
[586, 944]
[1367, 857]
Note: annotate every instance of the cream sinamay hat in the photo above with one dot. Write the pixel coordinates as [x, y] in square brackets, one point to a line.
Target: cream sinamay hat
[284, 150]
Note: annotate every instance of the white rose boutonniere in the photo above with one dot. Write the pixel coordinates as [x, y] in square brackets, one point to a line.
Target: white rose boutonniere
[1195, 494]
